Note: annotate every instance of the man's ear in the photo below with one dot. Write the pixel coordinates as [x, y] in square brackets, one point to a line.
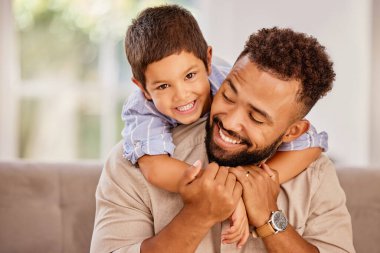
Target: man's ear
[209, 57]
[296, 130]
[142, 88]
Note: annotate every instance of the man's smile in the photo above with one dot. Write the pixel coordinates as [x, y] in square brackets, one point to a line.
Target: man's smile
[226, 139]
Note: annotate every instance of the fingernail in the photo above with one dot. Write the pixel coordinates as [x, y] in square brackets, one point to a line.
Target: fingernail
[197, 163]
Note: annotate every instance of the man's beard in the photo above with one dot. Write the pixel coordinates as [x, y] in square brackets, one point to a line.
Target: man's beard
[221, 157]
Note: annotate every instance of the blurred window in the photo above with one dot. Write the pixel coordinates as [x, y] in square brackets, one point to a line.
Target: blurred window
[72, 76]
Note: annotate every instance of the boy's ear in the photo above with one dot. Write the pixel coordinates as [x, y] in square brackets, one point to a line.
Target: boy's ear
[142, 88]
[296, 130]
[209, 57]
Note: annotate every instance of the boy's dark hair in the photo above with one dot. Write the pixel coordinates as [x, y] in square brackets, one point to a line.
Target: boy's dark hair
[161, 31]
[293, 56]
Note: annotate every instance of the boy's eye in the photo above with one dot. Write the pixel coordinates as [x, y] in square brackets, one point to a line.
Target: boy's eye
[255, 120]
[190, 75]
[163, 86]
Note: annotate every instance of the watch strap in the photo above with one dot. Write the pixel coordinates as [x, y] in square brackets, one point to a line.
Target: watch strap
[265, 230]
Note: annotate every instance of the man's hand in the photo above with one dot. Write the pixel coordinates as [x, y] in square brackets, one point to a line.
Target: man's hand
[260, 192]
[212, 194]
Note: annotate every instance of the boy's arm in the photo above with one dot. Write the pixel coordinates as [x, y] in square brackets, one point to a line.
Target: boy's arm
[303, 151]
[162, 171]
[290, 163]
[146, 130]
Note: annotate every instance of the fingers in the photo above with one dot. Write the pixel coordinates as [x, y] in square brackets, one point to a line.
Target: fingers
[235, 232]
[191, 173]
[273, 174]
[230, 182]
[222, 175]
[241, 175]
[237, 192]
[244, 237]
[211, 171]
[238, 232]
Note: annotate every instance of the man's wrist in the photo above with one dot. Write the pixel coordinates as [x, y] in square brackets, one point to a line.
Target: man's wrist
[195, 219]
[262, 217]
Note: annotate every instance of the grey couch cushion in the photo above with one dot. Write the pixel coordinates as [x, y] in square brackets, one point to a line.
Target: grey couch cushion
[362, 187]
[50, 207]
[47, 207]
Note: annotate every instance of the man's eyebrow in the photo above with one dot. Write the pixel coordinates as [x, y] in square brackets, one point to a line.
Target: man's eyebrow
[232, 86]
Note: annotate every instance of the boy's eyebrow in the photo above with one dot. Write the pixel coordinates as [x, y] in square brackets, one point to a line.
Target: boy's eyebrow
[156, 82]
[190, 68]
[254, 108]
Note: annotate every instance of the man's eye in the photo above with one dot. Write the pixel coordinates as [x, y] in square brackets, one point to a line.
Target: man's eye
[227, 98]
[163, 86]
[190, 75]
[255, 120]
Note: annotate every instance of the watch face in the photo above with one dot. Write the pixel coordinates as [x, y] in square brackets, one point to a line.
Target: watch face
[279, 221]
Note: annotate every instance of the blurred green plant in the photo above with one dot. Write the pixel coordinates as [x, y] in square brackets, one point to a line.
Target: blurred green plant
[59, 42]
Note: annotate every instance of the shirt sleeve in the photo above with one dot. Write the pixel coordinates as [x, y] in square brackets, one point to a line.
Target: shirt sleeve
[123, 218]
[310, 139]
[146, 131]
[328, 226]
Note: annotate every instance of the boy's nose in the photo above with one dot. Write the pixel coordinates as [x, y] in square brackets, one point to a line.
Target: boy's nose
[181, 94]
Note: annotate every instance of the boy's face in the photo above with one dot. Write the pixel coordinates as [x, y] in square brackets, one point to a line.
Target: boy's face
[179, 86]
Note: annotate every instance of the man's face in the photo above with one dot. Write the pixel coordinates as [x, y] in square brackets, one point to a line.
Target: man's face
[179, 86]
[249, 116]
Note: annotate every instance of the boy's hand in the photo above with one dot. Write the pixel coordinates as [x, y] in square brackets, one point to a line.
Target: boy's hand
[239, 227]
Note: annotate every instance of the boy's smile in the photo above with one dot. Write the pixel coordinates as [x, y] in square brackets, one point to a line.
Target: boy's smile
[188, 108]
[179, 87]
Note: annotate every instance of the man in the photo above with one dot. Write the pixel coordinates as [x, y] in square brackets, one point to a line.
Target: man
[274, 83]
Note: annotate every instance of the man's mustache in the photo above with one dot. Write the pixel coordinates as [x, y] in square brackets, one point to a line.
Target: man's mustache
[218, 122]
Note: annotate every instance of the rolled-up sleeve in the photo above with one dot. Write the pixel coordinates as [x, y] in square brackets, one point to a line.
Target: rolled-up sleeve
[310, 139]
[123, 209]
[328, 226]
[146, 130]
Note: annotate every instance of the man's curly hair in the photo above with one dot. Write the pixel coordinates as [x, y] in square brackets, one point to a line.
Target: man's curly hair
[293, 56]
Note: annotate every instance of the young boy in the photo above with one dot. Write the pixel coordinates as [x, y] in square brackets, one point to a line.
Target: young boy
[171, 64]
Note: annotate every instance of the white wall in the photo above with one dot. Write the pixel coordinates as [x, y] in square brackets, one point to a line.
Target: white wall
[375, 91]
[343, 26]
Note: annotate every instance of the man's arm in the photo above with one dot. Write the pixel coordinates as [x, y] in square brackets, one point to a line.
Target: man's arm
[209, 197]
[260, 192]
[124, 220]
[328, 228]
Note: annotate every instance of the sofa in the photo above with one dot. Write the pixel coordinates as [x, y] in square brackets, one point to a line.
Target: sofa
[50, 207]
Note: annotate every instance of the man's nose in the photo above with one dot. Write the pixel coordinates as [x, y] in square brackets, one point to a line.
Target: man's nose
[234, 120]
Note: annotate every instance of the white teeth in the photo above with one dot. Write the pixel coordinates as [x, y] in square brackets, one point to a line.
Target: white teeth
[227, 139]
[185, 107]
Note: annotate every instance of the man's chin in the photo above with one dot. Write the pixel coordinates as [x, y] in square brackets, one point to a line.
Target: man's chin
[221, 156]
[238, 157]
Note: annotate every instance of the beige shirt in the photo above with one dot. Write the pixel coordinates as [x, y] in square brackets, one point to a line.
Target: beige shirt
[129, 209]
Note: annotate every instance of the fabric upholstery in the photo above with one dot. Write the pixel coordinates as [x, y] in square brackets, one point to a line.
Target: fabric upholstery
[50, 207]
[47, 207]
